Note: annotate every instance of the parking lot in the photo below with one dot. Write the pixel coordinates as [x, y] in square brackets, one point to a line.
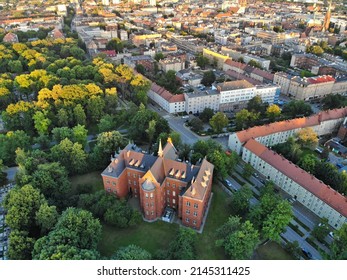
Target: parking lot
[4, 230]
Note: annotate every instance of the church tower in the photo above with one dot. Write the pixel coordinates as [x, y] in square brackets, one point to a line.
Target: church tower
[326, 23]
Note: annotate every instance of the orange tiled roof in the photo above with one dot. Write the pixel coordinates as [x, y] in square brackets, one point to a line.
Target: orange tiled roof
[300, 176]
[168, 96]
[281, 126]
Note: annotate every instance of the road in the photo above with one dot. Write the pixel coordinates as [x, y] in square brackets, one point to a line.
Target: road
[300, 212]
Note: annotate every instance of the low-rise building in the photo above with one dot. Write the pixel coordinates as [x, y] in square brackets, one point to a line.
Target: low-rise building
[252, 144]
[161, 182]
[169, 102]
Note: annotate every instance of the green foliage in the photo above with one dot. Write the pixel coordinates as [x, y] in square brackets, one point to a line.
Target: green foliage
[183, 246]
[238, 239]
[107, 123]
[308, 162]
[107, 143]
[10, 142]
[79, 134]
[20, 245]
[293, 248]
[277, 221]
[332, 101]
[46, 217]
[74, 237]
[315, 49]
[158, 56]
[247, 170]
[297, 108]
[209, 78]
[239, 202]
[219, 121]
[115, 44]
[254, 64]
[41, 122]
[196, 124]
[70, 155]
[201, 61]
[338, 247]
[21, 205]
[121, 215]
[245, 119]
[206, 115]
[321, 230]
[131, 252]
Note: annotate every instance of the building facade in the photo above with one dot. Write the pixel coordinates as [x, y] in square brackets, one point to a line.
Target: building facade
[161, 182]
[252, 144]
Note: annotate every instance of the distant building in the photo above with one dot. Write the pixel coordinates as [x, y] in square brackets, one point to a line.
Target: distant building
[252, 144]
[10, 38]
[201, 98]
[171, 63]
[161, 182]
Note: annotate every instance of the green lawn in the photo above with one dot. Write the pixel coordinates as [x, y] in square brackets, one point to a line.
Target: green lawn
[94, 179]
[272, 251]
[150, 236]
[157, 235]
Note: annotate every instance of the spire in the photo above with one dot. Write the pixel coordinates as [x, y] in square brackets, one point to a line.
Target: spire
[169, 140]
[160, 150]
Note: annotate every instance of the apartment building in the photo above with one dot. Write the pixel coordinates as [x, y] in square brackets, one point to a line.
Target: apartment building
[200, 99]
[169, 102]
[252, 144]
[161, 182]
[271, 37]
[171, 63]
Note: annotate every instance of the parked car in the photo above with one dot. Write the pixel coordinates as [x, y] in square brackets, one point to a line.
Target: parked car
[306, 253]
[255, 175]
[331, 234]
[229, 184]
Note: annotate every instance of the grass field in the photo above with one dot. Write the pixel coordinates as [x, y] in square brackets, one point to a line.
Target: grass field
[272, 251]
[157, 235]
[94, 179]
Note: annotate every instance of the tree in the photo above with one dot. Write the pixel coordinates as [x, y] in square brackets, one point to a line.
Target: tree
[79, 134]
[106, 144]
[338, 247]
[75, 236]
[183, 246]
[3, 175]
[277, 221]
[46, 217]
[293, 248]
[219, 121]
[247, 170]
[307, 137]
[41, 122]
[244, 119]
[321, 230]
[53, 182]
[21, 205]
[208, 78]
[315, 49]
[273, 111]
[196, 124]
[115, 44]
[106, 123]
[60, 133]
[206, 114]
[239, 202]
[201, 61]
[158, 56]
[151, 131]
[80, 115]
[296, 108]
[95, 108]
[121, 215]
[254, 63]
[131, 252]
[332, 101]
[308, 162]
[239, 239]
[15, 66]
[256, 105]
[20, 245]
[70, 155]
[9, 144]
[62, 117]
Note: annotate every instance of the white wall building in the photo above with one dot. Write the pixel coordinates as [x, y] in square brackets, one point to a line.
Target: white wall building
[252, 143]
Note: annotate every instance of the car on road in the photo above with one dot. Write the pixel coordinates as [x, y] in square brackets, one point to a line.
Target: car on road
[255, 175]
[306, 253]
[331, 234]
[229, 184]
[339, 165]
[185, 117]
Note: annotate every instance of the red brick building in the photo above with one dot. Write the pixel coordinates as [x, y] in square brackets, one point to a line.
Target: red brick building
[161, 181]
